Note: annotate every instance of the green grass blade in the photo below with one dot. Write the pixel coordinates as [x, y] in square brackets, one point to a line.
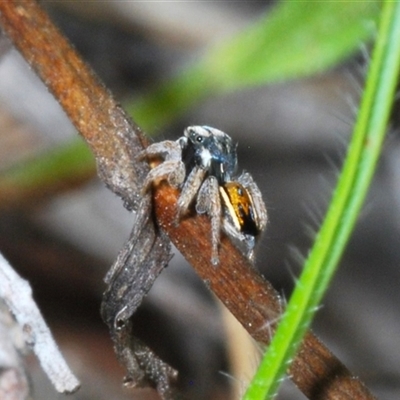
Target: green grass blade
[70, 161]
[294, 40]
[347, 200]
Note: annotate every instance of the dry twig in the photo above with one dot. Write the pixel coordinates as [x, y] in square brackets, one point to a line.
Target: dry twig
[17, 295]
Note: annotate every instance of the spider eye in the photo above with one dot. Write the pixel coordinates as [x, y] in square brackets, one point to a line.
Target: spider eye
[199, 139]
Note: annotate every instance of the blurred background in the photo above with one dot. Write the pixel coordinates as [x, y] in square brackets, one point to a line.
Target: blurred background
[292, 137]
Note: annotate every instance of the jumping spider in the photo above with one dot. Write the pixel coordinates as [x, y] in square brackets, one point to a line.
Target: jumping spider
[203, 163]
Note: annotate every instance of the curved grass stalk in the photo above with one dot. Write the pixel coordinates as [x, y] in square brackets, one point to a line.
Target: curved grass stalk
[348, 198]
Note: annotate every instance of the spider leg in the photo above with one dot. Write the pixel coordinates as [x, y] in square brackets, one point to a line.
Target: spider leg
[245, 243]
[209, 201]
[168, 149]
[189, 190]
[260, 210]
[172, 170]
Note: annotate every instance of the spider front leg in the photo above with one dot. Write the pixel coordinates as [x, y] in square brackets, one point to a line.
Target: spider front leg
[172, 168]
[189, 190]
[209, 202]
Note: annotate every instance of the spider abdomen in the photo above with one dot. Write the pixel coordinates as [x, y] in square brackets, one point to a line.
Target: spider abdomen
[240, 206]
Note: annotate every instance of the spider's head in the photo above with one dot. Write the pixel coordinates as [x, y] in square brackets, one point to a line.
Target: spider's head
[214, 151]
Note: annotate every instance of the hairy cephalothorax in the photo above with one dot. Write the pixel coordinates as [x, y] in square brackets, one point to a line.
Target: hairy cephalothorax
[203, 163]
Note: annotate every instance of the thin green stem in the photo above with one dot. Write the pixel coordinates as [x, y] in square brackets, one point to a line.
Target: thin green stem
[68, 161]
[349, 195]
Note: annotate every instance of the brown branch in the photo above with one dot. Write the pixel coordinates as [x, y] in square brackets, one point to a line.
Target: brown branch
[91, 108]
[110, 134]
[255, 303]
